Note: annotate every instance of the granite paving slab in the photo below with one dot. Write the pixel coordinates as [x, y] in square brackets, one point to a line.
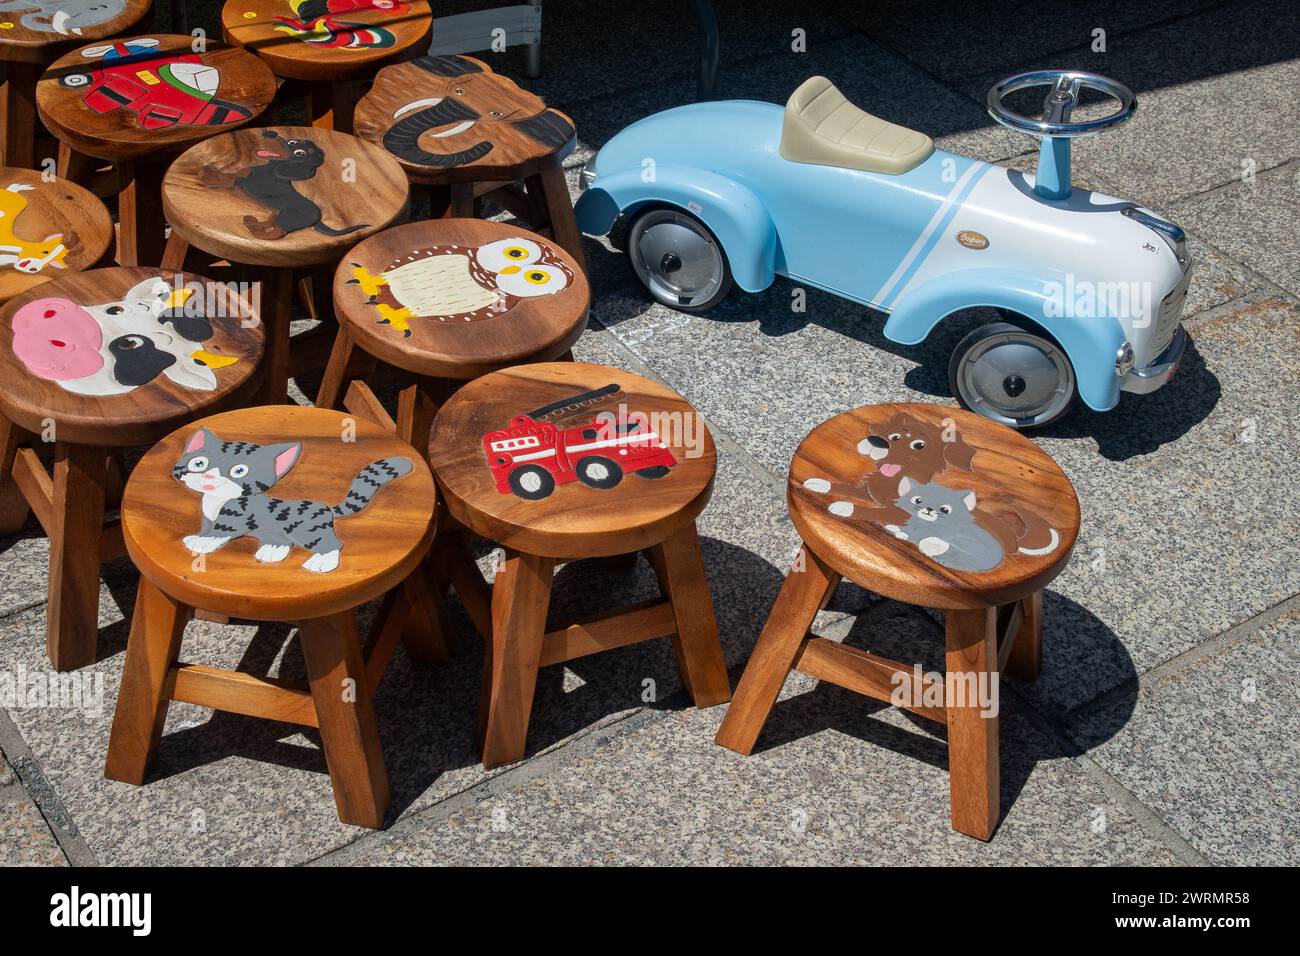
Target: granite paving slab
[1210, 747]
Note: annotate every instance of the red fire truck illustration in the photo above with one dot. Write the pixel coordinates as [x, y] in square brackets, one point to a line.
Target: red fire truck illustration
[533, 455]
[161, 89]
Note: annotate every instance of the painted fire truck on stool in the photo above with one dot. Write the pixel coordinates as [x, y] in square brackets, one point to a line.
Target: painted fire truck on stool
[533, 455]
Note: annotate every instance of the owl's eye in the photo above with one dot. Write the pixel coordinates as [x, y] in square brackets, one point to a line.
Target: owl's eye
[917, 445]
[895, 436]
[536, 278]
[945, 509]
[239, 471]
[916, 500]
[516, 252]
[197, 464]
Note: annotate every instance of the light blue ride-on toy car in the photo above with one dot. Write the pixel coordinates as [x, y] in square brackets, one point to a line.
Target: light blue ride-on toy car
[1091, 287]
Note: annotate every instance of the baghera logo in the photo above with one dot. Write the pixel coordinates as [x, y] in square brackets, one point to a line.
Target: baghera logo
[75, 908]
[972, 239]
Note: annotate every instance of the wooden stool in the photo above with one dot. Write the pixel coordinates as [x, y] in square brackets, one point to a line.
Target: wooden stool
[328, 45]
[284, 200]
[277, 513]
[32, 36]
[466, 132]
[95, 362]
[447, 301]
[931, 506]
[48, 228]
[138, 102]
[566, 460]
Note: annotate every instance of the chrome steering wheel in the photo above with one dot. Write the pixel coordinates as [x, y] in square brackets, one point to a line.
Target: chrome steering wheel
[1066, 85]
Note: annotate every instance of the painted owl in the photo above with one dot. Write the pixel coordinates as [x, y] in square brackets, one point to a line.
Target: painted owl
[453, 283]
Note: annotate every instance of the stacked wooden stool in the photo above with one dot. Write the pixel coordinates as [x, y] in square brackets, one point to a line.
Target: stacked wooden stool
[286, 202]
[463, 132]
[935, 507]
[137, 102]
[445, 302]
[565, 460]
[48, 228]
[278, 513]
[33, 38]
[93, 363]
[328, 46]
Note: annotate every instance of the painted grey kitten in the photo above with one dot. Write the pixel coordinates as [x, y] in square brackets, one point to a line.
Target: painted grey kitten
[233, 478]
[942, 526]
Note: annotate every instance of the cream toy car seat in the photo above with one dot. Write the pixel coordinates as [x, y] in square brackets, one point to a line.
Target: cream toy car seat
[822, 127]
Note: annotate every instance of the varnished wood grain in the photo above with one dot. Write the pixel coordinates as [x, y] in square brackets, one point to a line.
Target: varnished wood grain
[31, 219]
[142, 701]
[149, 410]
[358, 189]
[254, 24]
[535, 329]
[973, 768]
[162, 118]
[382, 544]
[514, 135]
[778, 647]
[29, 35]
[1008, 473]
[346, 716]
[575, 520]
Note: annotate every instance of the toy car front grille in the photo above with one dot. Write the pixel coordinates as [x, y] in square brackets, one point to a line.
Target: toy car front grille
[1171, 312]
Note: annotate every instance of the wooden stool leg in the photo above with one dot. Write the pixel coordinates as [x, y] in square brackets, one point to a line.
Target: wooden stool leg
[777, 649]
[18, 119]
[1027, 652]
[559, 210]
[276, 313]
[520, 599]
[331, 105]
[698, 647]
[76, 167]
[348, 729]
[417, 404]
[427, 632]
[153, 647]
[972, 638]
[333, 384]
[13, 505]
[72, 624]
[178, 249]
[141, 239]
[461, 203]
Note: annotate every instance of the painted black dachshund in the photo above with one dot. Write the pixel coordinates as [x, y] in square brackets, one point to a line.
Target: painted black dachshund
[271, 185]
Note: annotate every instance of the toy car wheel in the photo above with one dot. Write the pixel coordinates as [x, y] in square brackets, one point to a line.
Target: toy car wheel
[598, 472]
[531, 482]
[654, 471]
[678, 260]
[74, 80]
[1012, 374]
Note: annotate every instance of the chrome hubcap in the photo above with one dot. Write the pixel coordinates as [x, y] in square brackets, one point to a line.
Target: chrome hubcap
[1016, 378]
[675, 257]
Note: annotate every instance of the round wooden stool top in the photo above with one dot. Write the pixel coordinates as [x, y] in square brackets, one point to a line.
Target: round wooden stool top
[283, 195]
[450, 119]
[327, 40]
[36, 31]
[115, 357]
[47, 229]
[569, 460]
[137, 96]
[932, 505]
[458, 298]
[278, 513]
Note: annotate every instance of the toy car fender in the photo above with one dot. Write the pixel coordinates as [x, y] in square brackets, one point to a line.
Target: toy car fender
[731, 211]
[1090, 342]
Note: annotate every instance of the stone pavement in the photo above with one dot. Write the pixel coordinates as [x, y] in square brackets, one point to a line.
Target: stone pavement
[1162, 730]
